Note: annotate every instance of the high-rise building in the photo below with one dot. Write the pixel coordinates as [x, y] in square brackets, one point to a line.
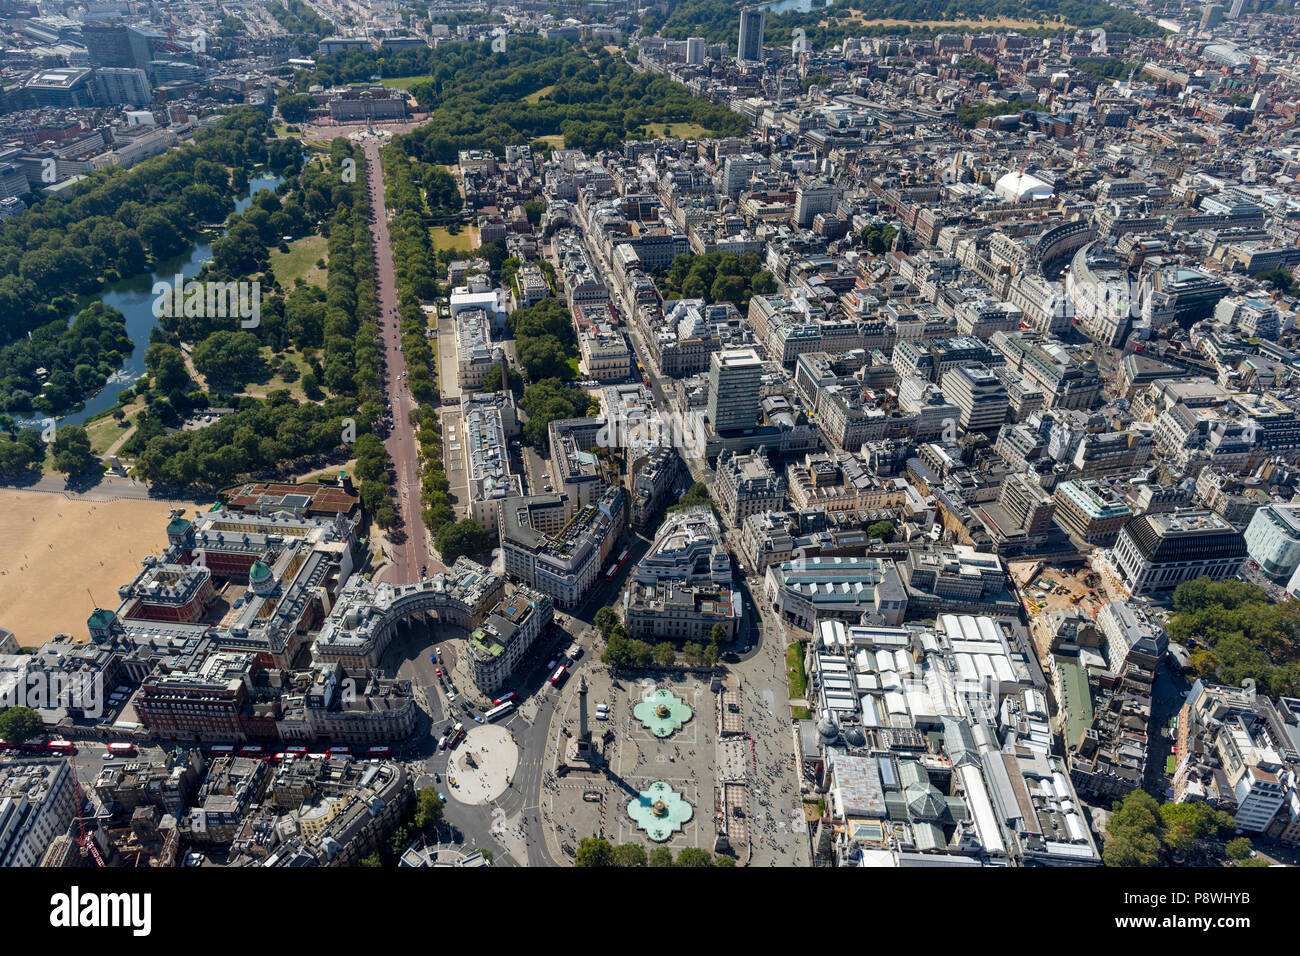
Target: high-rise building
[979, 394]
[814, 196]
[737, 171]
[107, 44]
[1024, 499]
[118, 45]
[1212, 16]
[120, 86]
[753, 20]
[695, 51]
[735, 376]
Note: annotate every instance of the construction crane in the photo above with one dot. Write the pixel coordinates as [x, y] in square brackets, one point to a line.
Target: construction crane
[84, 841]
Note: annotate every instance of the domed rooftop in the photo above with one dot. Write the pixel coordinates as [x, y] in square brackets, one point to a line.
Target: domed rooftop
[1019, 187]
[828, 728]
[258, 572]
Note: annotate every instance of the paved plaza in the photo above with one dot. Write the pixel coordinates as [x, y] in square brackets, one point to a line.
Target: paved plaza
[483, 765]
[585, 803]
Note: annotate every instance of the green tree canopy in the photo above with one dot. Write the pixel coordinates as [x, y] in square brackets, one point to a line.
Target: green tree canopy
[20, 724]
[465, 537]
[693, 856]
[1134, 832]
[594, 851]
[71, 448]
[629, 855]
[228, 359]
[428, 810]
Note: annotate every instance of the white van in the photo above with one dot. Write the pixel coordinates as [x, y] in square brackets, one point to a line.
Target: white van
[442, 742]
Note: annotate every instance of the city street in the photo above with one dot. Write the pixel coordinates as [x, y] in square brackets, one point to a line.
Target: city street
[412, 551]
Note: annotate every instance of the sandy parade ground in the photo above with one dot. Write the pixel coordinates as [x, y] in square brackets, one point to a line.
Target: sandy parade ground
[55, 553]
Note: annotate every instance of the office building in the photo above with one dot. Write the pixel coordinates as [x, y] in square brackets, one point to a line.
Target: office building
[36, 805]
[505, 635]
[1156, 553]
[735, 378]
[1024, 499]
[1237, 751]
[123, 87]
[747, 484]
[753, 21]
[62, 88]
[813, 197]
[1273, 540]
[119, 46]
[979, 394]
[1090, 510]
[475, 351]
[1132, 637]
[737, 171]
[487, 421]
[653, 477]
[559, 557]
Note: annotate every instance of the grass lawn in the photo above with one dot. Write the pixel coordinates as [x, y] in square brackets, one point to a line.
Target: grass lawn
[276, 381]
[465, 240]
[332, 472]
[573, 367]
[956, 23]
[300, 262]
[544, 91]
[402, 82]
[555, 139]
[104, 432]
[795, 676]
[677, 130]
